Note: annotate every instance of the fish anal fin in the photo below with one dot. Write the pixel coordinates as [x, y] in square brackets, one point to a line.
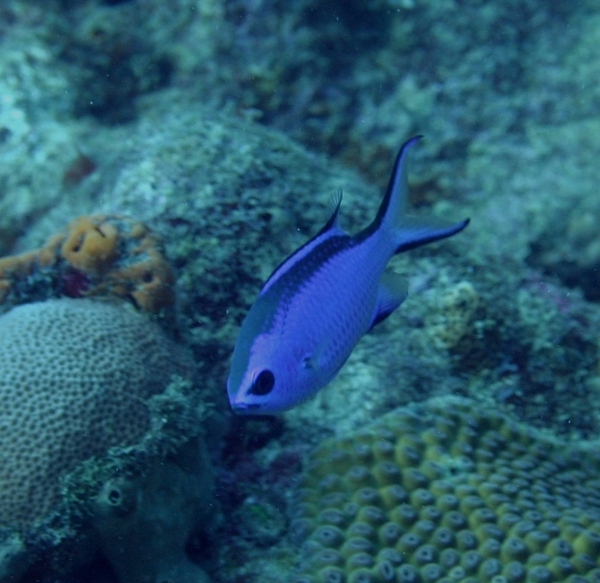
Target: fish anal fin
[392, 291]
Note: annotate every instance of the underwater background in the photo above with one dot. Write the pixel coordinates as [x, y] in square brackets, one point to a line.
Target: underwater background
[159, 159]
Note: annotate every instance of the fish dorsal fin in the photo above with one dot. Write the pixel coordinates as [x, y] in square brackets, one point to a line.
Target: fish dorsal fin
[334, 220]
[330, 229]
[392, 291]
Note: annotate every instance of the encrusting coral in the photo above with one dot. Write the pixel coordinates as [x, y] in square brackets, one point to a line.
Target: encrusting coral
[447, 492]
[97, 255]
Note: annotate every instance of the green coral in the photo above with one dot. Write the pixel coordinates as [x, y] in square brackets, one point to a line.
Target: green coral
[444, 491]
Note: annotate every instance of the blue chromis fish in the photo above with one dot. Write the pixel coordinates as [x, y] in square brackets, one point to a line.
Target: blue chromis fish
[322, 299]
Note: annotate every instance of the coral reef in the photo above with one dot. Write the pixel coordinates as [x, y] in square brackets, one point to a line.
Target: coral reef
[98, 255]
[355, 56]
[568, 247]
[502, 91]
[112, 69]
[35, 146]
[444, 491]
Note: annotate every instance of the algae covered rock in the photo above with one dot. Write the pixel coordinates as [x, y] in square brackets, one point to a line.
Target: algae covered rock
[445, 491]
[153, 517]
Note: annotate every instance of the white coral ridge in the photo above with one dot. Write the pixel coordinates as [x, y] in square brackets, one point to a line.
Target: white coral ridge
[75, 375]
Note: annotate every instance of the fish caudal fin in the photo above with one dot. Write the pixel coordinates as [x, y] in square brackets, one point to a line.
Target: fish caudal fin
[408, 232]
[416, 231]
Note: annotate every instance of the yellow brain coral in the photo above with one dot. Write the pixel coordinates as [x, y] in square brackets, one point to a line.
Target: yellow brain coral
[75, 376]
[446, 492]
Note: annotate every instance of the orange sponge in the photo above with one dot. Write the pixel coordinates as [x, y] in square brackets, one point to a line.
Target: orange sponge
[91, 244]
[98, 255]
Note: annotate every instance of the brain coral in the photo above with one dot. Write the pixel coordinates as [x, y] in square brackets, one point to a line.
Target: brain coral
[448, 492]
[74, 377]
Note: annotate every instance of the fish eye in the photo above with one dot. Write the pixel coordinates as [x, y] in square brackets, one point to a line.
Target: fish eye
[263, 384]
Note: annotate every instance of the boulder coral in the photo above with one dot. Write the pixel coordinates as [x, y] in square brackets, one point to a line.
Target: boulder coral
[446, 492]
[97, 255]
[74, 377]
[80, 381]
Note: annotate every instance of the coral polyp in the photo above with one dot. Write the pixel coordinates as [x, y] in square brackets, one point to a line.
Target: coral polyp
[478, 497]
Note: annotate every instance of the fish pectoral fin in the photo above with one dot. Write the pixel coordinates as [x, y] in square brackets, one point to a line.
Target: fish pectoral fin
[393, 290]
